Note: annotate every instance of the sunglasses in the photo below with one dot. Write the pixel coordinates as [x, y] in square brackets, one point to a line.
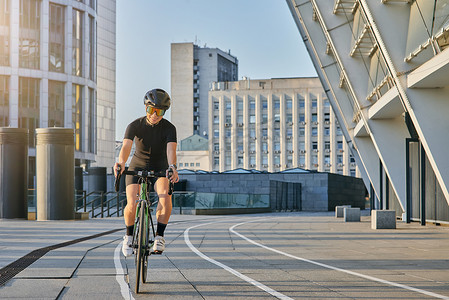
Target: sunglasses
[152, 110]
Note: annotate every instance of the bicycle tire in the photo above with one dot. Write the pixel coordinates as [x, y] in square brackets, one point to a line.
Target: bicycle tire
[145, 255]
[140, 244]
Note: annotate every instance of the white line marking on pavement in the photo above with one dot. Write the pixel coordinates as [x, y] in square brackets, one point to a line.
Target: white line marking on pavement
[230, 270]
[231, 229]
[120, 274]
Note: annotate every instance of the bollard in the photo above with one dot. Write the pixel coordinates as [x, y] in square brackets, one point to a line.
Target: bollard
[13, 173]
[351, 214]
[383, 219]
[55, 172]
[339, 210]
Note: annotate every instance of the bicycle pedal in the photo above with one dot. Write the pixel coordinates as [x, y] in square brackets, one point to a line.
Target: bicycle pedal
[157, 252]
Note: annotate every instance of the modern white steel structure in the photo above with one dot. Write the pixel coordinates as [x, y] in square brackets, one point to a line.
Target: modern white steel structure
[57, 68]
[192, 70]
[384, 66]
[275, 124]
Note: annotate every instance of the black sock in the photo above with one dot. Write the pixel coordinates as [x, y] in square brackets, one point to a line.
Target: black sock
[160, 228]
[130, 230]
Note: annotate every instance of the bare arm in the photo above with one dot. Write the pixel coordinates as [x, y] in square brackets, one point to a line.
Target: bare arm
[171, 157]
[123, 156]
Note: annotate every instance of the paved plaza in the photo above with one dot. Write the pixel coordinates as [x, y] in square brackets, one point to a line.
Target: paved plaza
[295, 255]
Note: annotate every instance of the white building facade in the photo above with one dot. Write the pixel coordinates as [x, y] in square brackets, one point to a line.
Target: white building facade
[57, 68]
[192, 70]
[384, 66]
[275, 124]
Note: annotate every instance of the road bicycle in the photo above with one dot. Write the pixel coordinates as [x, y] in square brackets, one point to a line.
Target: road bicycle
[144, 233]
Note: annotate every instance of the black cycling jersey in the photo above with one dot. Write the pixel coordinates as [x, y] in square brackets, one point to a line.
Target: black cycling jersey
[151, 144]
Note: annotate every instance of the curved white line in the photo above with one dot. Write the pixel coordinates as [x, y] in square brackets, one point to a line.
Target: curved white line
[230, 270]
[231, 229]
[120, 275]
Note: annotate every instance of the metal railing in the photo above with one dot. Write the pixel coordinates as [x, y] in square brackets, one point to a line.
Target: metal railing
[100, 204]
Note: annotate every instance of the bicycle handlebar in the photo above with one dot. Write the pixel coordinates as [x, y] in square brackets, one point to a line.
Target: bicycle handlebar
[142, 174]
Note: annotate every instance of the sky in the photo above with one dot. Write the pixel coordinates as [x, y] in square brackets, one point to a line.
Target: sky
[260, 33]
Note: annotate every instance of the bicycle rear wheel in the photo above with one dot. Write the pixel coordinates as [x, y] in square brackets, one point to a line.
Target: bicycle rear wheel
[141, 245]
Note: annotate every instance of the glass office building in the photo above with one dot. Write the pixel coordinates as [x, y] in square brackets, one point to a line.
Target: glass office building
[51, 74]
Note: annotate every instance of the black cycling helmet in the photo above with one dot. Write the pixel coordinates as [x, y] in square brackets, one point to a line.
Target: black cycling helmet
[157, 98]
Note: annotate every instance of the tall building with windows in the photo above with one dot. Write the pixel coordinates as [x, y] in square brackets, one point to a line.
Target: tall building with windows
[57, 68]
[384, 66]
[192, 70]
[275, 124]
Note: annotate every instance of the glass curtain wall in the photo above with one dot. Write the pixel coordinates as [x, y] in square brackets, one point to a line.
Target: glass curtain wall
[55, 103]
[56, 38]
[29, 34]
[4, 32]
[4, 101]
[29, 91]
[77, 42]
[77, 115]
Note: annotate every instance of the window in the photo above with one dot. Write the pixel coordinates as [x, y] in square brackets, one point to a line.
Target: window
[277, 104]
[264, 103]
[216, 120]
[314, 131]
[91, 121]
[288, 103]
[197, 164]
[77, 42]
[314, 118]
[327, 131]
[55, 104]
[302, 118]
[314, 145]
[264, 146]
[339, 145]
[277, 117]
[4, 101]
[29, 91]
[29, 34]
[277, 146]
[216, 105]
[216, 133]
[240, 161]
[326, 103]
[301, 131]
[192, 164]
[239, 104]
[289, 132]
[289, 118]
[180, 164]
[56, 39]
[264, 132]
[228, 105]
[327, 145]
[252, 119]
[77, 115]
[302, 159]
[91, 48]
[339, 132]
[302, 145]
[327, 117]
[314, 102]
[4, 32]
[216, 162]
[264, 118]
[301, 102]
[216, 147]
[339, 158]
[252, 104]
[327, 159]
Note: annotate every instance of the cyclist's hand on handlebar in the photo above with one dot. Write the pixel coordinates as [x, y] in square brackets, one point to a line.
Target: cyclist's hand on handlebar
[172, 175]
[118, 168]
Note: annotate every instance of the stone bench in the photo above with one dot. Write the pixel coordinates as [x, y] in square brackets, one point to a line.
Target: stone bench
[351, 214]
[383, 219]
[339, 210]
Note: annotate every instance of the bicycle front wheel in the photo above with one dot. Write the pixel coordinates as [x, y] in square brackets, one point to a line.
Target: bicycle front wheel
[141, 244]
[145, 235]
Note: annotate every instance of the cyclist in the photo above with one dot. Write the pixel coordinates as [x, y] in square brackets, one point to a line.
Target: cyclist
[155, 150]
